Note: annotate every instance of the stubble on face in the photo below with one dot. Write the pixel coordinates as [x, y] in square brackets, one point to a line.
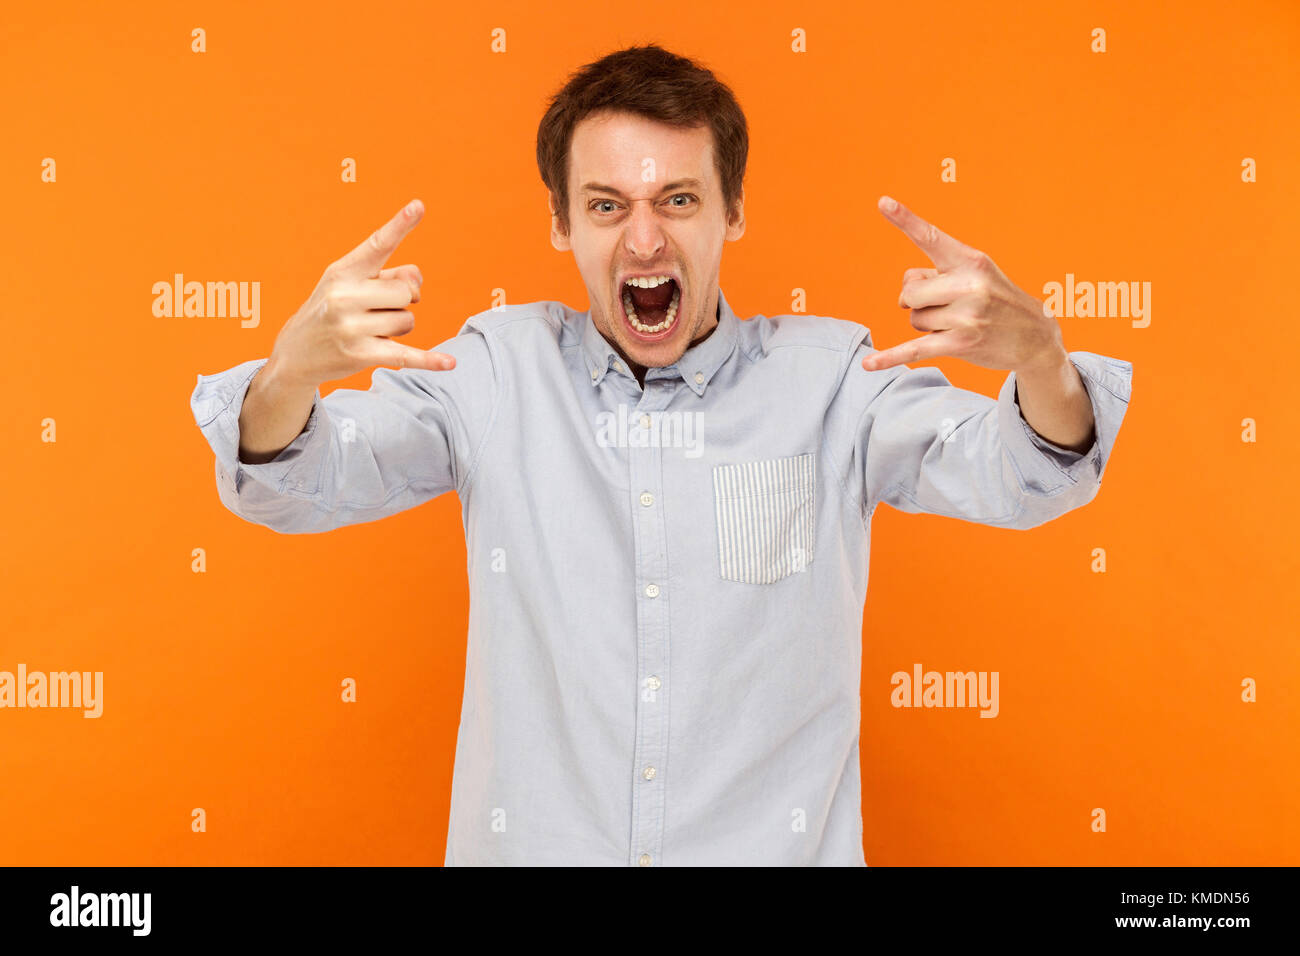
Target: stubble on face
[612, 329]
[621, 225]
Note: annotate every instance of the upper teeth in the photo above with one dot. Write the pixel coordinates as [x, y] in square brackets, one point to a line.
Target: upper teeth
[648, 282]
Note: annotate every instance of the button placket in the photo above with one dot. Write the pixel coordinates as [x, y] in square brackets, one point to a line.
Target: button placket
[649, 761]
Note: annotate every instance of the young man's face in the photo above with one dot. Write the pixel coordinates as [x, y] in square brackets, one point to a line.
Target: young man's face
[645, 199]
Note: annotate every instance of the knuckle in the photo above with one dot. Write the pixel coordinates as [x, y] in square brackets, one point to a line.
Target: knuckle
[322, 314]
[336, 300]
[345, 331]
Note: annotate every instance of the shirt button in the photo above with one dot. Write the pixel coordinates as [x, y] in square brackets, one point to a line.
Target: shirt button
[645, 859]
[594, 374]
[652, 682]
[699, 378]
[645, 421]
[652, 590]
[619, 366]
[647, 499]
[648, 773]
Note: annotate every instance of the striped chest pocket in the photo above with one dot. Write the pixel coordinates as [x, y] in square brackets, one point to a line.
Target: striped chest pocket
[765, 513]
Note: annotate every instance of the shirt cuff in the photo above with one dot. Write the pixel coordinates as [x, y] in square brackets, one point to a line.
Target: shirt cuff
[216, 403]
[1044, 467]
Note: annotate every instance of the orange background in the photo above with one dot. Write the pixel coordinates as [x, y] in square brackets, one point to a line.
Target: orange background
[221, 690]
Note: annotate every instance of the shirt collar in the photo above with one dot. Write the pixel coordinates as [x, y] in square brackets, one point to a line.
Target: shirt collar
[696, 367]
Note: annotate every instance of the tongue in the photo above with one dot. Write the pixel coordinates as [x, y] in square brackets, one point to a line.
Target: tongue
[649, 301]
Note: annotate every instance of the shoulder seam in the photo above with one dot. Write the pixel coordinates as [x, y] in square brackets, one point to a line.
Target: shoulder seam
[498, 387]
[854, 341]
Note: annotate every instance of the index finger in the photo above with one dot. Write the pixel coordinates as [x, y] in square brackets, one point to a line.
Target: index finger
[944, 251]
[368, 258]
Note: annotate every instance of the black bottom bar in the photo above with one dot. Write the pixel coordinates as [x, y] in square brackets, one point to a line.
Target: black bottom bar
[1171, 906]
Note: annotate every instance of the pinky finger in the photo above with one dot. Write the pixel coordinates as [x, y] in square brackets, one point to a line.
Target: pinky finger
[396, 355]
[928, 346]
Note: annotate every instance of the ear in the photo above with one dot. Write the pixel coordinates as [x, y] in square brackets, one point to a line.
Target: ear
[559, 239]
[736, 221]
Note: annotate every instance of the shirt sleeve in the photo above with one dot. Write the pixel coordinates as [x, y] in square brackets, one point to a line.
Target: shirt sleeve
[926, 446]
[362, 455]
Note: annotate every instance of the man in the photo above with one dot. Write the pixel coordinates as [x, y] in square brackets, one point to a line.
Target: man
[667, 510]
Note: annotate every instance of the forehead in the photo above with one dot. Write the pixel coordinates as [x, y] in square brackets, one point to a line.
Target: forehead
[615, 149]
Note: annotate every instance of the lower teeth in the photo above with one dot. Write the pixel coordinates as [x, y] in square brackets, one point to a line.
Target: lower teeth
[630, 310]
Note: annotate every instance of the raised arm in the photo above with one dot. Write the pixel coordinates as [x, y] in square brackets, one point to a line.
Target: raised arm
[297, 463]
[925, 445]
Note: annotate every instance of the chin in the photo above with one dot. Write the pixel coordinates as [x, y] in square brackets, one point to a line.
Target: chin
[656, 354]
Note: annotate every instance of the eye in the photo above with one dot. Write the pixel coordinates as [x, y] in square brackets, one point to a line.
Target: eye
[691, 200]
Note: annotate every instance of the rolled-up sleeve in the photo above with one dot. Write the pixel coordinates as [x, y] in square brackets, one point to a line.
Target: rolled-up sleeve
[927, 446]
[362, 454]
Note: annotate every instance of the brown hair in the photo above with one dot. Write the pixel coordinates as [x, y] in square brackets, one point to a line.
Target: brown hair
[649, 81]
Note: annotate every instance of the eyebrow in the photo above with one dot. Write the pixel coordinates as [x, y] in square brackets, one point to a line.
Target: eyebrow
[675, 184]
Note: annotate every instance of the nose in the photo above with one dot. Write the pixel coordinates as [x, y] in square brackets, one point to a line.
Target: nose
[645, 236]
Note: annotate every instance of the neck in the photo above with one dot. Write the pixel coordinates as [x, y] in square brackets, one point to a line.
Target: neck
[640, 370]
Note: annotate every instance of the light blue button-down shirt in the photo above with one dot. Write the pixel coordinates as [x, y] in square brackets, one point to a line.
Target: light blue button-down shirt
[666, 583]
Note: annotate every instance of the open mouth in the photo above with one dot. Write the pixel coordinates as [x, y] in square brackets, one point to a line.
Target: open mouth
[650, 307]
